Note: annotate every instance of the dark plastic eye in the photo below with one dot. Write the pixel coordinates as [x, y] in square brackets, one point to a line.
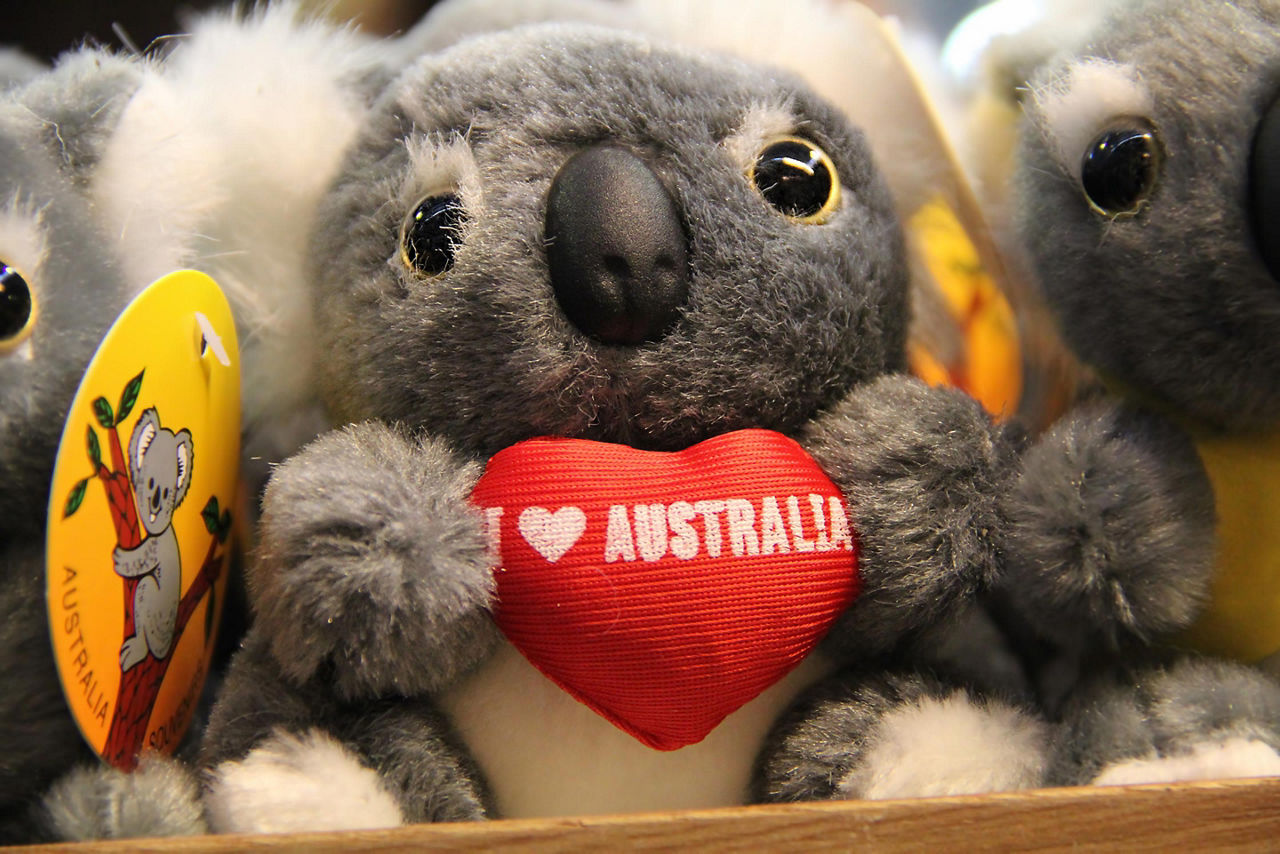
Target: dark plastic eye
[17, 307]
[1121, 166]
[798, 178]
[430, 236]
[1264, 189]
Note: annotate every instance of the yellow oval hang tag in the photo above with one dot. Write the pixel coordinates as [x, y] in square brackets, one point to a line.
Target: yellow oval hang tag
[139, 518]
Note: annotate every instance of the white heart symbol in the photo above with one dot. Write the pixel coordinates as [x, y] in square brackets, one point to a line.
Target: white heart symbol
[552, 534]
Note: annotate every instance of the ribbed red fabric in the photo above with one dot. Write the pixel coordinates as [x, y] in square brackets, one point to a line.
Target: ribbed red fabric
[665, 590]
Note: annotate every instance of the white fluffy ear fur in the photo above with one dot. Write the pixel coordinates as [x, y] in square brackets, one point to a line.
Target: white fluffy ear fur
[1232, 757]
[1077, 106]
[952, 746]
[219, 163]
[297, 783]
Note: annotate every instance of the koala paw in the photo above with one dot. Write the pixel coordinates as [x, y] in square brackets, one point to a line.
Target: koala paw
[298, 783]
[1110, 528]
[896, 736]
[1212, 760]
[373, 561]
[159, 798]
[950, 745]
[1193, 719]
[132, 652]
[922, 469]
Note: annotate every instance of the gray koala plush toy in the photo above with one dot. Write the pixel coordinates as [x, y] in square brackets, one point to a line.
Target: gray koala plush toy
[61, 286]
[1147, 186]
[119, 170]
[572, 232]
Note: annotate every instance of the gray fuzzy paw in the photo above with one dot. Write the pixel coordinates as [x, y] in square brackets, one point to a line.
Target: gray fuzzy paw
[923, 470]
[895, 736]
[160, 798]
[1110, 528]
[373, 561]
[1196, 718]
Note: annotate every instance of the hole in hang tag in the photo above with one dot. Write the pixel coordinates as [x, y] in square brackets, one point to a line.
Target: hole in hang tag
[211, 342]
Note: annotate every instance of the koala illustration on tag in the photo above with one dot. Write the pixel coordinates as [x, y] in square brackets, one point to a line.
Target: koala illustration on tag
[160, 467]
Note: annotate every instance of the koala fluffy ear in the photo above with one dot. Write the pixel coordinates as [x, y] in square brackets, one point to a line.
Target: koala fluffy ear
[144, 432]
[186, 455]
[451, 22]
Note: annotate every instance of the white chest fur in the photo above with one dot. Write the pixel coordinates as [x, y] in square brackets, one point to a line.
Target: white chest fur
[546, 754]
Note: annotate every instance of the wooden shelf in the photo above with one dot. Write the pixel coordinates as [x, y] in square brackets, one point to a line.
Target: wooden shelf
[1232, 814]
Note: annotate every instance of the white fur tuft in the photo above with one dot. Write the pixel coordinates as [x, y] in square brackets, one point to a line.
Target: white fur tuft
[219, 163]
[762, 123]
[23, 245]
[952, 746]
[1234, 757]
[294, 784]
[1075, 107]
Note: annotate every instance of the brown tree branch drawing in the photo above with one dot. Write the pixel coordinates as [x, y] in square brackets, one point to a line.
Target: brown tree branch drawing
[140, 684]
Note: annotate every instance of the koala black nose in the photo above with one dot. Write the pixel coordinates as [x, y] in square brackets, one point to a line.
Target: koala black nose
[616, 247]
[1264, 179]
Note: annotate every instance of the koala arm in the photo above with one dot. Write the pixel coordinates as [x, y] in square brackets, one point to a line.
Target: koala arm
[139, 560]
[922, 470]
[373, 564]
[1110, 532]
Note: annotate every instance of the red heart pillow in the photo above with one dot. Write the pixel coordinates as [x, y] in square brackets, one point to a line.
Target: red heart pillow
[665, 590]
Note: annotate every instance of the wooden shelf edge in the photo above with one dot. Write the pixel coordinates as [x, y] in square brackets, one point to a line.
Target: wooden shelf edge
[1207, 815]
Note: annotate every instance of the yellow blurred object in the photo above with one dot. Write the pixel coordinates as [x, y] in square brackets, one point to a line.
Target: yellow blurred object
[988, 362]
[1242, 617]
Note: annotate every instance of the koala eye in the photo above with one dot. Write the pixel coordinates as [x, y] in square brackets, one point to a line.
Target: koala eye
[798, 178]
[1264, 188]
[1120, 168]
[17, 308]
[429, 236]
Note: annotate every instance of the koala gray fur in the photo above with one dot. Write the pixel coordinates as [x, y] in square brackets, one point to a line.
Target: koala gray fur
[160, 464]
[1114, 522]
[372, 582]
[51, 129]
[114, 158]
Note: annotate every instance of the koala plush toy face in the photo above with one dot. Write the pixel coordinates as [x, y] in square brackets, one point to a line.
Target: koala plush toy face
[1153, 215]
[624, 230]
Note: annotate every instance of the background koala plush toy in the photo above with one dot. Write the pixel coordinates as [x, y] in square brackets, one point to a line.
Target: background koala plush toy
[61, 286]
[1147, 188]
[123, 170]
[567, 231]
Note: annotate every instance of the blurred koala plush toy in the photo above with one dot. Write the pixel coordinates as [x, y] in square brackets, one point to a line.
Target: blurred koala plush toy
[617, 330]
[61, 286]
[1149, 187]
[118, 170]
